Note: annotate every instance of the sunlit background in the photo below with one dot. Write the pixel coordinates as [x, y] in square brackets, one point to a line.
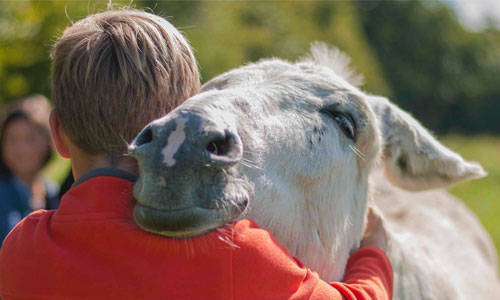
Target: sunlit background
[439, 60]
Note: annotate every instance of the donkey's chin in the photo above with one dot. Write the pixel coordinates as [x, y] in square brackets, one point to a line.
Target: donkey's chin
[187, 222]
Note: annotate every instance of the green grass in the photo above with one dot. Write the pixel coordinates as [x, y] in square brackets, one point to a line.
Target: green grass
[481, 196]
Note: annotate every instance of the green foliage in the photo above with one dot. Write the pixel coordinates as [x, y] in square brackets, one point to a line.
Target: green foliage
[481, 196]
[57, 169]
[28, 29]
[226, 35]
[446, 76]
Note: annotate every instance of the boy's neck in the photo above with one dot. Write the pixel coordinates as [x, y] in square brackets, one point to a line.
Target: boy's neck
[84, 162]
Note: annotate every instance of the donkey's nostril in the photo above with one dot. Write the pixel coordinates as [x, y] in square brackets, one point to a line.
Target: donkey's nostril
[221, 146]
[145, 137]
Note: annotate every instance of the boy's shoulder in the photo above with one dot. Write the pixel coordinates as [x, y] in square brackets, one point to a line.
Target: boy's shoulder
[24, 232]
[96, 198]
[19, 248]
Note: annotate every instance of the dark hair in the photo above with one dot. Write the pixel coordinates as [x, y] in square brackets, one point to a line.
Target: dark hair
[20, 111]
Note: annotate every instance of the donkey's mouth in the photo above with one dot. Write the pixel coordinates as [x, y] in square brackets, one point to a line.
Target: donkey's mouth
[187, 222]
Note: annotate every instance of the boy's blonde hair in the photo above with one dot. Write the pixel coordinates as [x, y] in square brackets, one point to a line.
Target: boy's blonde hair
[114, 72]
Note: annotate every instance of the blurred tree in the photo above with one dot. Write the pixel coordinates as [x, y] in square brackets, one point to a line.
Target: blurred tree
[226, 35]
[28, 30]
[446, 76]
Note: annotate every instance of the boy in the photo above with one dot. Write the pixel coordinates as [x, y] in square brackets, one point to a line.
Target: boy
[113, 73]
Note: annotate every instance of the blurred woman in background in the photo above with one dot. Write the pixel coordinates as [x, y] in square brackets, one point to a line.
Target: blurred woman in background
[25, 148]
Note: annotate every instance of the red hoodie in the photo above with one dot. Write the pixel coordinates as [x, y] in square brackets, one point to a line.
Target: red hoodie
[91, 249]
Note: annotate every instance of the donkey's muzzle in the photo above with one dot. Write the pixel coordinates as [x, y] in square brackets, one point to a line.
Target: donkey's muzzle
[185, 186]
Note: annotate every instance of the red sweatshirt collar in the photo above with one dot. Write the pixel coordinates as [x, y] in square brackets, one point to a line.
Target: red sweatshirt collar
[105, 172]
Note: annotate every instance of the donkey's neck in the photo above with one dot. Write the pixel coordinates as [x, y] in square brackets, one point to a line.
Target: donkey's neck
[325, 247]
[325, 235]
[321, 227]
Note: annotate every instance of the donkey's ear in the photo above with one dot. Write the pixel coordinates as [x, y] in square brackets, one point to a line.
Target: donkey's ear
[413, 159]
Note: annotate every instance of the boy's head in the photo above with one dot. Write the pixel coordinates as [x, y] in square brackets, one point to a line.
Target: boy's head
[114, 72]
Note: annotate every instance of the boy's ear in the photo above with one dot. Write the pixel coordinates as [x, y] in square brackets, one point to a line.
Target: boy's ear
[58, 135]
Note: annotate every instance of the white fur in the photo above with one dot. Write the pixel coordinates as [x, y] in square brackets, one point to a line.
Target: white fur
[338, 61]
[312, 192]
[174, 141]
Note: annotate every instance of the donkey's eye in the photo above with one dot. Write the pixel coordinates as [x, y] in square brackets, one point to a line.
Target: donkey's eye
[344, 121]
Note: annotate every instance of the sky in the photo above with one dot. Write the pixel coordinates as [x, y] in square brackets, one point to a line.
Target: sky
[476, 14]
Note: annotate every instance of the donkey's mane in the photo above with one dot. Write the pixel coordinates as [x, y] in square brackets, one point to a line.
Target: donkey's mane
[333, 58]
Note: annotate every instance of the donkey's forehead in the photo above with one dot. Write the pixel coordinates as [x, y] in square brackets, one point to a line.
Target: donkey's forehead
[281, 75]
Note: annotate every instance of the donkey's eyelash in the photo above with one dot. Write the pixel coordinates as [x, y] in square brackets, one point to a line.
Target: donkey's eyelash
[344, 120]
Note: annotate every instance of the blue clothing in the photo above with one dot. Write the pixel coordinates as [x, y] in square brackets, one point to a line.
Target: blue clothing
[14, 204]
[52, 198]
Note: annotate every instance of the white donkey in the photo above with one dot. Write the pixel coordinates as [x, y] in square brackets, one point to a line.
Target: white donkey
[295, 146]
